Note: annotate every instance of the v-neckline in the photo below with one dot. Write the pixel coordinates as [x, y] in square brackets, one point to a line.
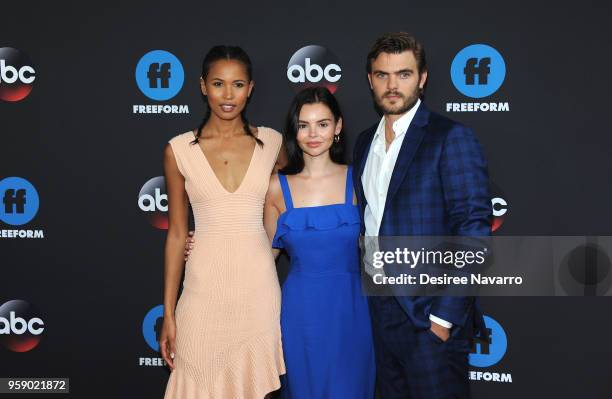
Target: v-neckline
[212, 171]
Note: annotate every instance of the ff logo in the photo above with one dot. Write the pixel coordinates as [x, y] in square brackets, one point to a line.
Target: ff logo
[16, 74]
[314, 66]
[159, 75]
[478, 70]
[152, 325]
[499, 206]
[490, 349]
[153, 200]
[20, 326]
[19, 201]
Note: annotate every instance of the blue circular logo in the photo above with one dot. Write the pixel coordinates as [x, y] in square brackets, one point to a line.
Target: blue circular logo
[493, 348]
[159, 75]
[478, 70]
[19, 201]
[151, 326]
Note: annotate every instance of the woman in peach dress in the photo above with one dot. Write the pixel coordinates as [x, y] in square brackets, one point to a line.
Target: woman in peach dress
[222, 339]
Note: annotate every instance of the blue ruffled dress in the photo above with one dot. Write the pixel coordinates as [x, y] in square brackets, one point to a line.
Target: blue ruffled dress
[325, 322]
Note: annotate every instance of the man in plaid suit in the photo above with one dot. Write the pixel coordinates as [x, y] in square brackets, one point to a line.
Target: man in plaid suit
[418, 173]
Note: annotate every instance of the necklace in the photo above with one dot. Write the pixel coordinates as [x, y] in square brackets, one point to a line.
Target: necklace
[225, 161]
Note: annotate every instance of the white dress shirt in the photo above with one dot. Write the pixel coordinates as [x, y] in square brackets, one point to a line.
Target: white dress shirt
[377, 175]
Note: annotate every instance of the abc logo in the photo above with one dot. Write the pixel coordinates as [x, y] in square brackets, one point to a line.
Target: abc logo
[19, 201]
[16, 74]
[478, 70]
[499, 206]
[152, 325]
[314, 66]
[20, 326]
[153, 200]
[491, 348]
[159, 75]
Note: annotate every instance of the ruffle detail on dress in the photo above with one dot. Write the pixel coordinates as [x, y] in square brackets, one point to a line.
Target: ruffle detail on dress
[259, 366]
[252, 374]
[325, 217]
[180, 385]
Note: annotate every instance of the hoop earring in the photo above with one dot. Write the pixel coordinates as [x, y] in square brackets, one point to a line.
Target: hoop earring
[336, 138]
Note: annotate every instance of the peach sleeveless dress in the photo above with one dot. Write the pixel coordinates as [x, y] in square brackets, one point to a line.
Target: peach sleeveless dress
[228, 340]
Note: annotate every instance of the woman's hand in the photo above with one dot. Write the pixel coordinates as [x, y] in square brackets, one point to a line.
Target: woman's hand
[166, 341]
[189, 245]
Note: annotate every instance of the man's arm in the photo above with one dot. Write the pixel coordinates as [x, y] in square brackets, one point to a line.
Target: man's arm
[465, 182]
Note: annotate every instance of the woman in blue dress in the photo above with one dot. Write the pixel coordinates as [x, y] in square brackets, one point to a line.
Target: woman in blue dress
[310, 211]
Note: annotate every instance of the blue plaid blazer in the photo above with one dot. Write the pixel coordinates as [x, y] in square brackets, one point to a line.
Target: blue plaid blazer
[439, 187]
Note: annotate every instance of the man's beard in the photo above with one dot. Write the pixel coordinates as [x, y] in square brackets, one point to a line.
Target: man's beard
[408, 102]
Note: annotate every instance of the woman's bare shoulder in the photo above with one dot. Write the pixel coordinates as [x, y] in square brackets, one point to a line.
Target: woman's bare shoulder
[274, 187]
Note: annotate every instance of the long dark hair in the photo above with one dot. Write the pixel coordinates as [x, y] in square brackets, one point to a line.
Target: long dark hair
[218, 53]
[295, 155]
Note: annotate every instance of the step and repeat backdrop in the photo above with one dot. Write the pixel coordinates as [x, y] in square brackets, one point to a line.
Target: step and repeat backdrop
[90, 92]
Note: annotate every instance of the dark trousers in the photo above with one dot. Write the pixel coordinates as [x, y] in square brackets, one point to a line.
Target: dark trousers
[416, 364]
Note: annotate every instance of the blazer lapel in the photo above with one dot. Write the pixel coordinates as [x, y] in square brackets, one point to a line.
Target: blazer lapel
[414, 136]
[365, 150]
[362, 157]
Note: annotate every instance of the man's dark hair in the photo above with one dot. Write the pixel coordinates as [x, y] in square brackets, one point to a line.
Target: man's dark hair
[395, 43]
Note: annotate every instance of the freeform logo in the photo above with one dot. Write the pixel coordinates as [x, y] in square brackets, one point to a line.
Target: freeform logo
[19, 206]
[153, 200]
[478, 71]
[151, 329]
[499, 204]
[314, 66]
[488, 351]
[16, 74]
[160, 76]
[151, 326]
[477, 67]
[21, 326]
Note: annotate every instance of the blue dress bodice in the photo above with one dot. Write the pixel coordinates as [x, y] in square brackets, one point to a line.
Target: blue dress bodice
[325, 322]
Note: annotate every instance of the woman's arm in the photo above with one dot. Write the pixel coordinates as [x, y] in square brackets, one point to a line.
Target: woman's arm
[281, 159]
[271, 210]
[173, 261]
